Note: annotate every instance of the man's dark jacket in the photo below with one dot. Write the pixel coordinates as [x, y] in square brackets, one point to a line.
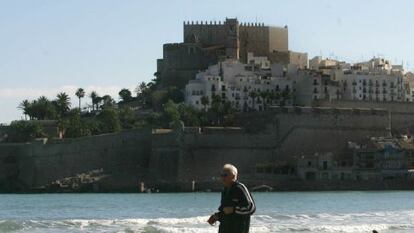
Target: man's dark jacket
[238, 197]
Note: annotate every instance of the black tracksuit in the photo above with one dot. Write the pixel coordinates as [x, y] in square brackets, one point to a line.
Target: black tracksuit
[238, 197]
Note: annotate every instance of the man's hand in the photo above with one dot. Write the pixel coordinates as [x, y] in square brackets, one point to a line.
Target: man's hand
[228, 210]
[212, 220]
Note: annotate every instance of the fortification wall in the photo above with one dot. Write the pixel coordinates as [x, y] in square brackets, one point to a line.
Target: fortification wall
[282, 135]
[254, 39]
[278, 39]
[123, 157]
[306, 131]
[207, 33]
[182, 62]
[401, 113]
[9, 164]
[204, 154]
[179, 158]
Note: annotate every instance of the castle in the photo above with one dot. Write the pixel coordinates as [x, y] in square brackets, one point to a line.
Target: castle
[328, 146]
[207, 43]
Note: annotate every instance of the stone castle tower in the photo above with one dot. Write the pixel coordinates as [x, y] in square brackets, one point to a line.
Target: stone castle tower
[207, 43]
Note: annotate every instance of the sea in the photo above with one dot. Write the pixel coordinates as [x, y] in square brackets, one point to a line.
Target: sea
[188, 212]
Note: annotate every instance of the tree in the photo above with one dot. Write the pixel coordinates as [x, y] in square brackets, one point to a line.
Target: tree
[140, 88]
[274, 97]
[80, 93]
[108, 120]
[95, 100]
[107, 102]
[158, 99]
[62, 103]
[253, 95]
[127, 118]
[175, 94]
[205, 102]
[171, 113]
[228, 114]
[25, 107]
[23, 131]
[76, 126]
[286, 95]
[143, 94]
[189, 115]
[43, 109]
[126, 95]
[216, 103]
[264, 95]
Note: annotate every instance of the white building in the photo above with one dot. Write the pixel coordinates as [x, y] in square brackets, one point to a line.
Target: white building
[246, 86]
[256, 85]
[374, 80]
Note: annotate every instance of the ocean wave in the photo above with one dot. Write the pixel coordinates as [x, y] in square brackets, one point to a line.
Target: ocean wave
[345, 223]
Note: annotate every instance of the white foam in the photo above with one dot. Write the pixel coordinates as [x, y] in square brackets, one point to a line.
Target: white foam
[400, 221]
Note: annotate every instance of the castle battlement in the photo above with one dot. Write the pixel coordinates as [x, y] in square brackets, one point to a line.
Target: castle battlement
[228, 39]
[220, 23]
[204, 23]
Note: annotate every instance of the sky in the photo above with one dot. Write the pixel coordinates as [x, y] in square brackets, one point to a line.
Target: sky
[49, 46]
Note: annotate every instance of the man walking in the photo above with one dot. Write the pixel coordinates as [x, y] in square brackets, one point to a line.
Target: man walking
[237, 204]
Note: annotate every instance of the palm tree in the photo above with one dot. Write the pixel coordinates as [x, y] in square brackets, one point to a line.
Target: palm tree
[62, 103]
[264, 95]
[218, 107]
[274, 97]
[253, 95]
[25, 107]
[285, 96]
[95, 100]
[43, 109]
[205, 101]
[80, 93]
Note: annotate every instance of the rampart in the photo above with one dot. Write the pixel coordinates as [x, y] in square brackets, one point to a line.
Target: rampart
[122, 157]
[400, 113]
[183, 159]
[278, 136]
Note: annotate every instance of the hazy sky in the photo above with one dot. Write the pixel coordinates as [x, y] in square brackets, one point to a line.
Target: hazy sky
[51, 45]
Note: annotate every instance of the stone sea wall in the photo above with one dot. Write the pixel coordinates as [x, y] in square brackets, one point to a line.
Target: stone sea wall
[123, 158]
[191, 158]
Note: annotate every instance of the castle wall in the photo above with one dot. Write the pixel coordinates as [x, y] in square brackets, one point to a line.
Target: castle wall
[278, 39]
[401, 113]
[306, 131]
[182, 62]
[206, 43]
[172, 160]
[123, 157]
[254, 39]
[282, 135]
[207, 33]
[9, 164]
